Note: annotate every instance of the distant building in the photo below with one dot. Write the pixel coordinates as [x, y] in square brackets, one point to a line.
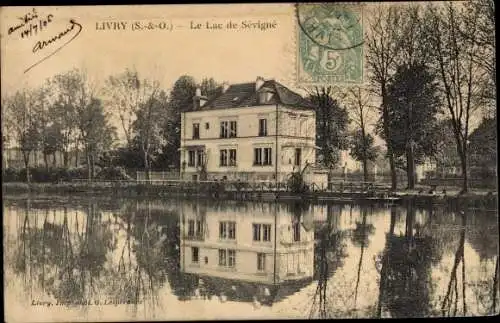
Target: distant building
[13, 157]
[251, 131]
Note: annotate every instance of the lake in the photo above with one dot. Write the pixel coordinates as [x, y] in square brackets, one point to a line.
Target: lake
[95, 259]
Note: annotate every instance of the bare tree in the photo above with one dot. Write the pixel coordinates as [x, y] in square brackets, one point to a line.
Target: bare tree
[482, 14]
[21, 115]
[332, 121]
[66, 87]
[362, 144]
[452, 35]
[383, 43]
[125, 92]
[148, 127]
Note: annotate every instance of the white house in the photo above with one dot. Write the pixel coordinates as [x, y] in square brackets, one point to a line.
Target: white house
[251, 131]
[263, 244]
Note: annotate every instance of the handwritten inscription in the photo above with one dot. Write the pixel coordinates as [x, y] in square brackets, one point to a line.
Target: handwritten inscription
[43, 43]
[31, 24]
[51, 41]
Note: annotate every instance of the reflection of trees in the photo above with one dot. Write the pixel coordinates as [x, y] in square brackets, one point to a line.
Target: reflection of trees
[70, 255]
[63, 261]
[150, 231]
[328, 256]
[405, 270]
[482, 233]
[450, 301]
[361, 238]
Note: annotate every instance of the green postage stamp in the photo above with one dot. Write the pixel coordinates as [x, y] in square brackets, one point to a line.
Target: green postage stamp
[330, 44]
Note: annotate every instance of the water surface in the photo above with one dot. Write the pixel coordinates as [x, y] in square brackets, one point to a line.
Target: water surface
[124, 259]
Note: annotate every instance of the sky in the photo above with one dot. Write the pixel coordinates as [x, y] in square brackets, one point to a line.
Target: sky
[106, 43]
[227, 55]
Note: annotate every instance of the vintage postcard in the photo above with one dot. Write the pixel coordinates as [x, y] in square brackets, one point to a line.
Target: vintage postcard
[249, 161]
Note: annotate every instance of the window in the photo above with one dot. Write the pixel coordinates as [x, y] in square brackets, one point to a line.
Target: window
[261, 232]
[207, 125]
[195, 254]
[296, 232]
[233, 129]
[298, 156]
[256, 232]
[257, 160]
[266, 232]
[228, 129]
[195, 228]
[191, 158]
[227, 230]
[228, 157]
[231, 258]
[262, 127]
[223, 157]
[224, 129]
[267, 156]
[196, 131]
[190, 228]
[200, 157]
[227, 258]
[261, 261]
[222, 257]
[262, 97]
[262, 156]
[232, 157]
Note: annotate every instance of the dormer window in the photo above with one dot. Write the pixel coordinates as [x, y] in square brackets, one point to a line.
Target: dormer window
[265, 97]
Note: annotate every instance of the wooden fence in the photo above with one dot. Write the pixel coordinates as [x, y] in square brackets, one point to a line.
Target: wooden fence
[240, 186]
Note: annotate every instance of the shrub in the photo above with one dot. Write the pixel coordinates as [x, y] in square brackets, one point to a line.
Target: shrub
[76, 173]
[113, 173]
[10, 175]
[297, 184]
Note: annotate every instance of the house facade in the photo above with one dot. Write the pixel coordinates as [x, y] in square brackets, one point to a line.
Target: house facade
[267, 246]
[250, 132]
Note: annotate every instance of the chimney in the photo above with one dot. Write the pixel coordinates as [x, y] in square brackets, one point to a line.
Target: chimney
[198, 99]
[225, 86]
[259, 82]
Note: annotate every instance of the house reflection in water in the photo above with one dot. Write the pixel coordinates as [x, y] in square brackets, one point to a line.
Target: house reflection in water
[258, 253]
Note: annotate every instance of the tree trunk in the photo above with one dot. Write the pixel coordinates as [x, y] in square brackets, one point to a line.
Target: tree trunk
[54, 159]
[146, 165]
[365, 169]
[65, 158]
[465, 182]
[46, 160]
[76, 157]
[410, 169]
[26, 158]
[387, 132]
[365, 148]
[89, 170]
[92, 166]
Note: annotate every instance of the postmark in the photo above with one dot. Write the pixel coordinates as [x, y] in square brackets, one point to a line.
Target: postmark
[330, 44]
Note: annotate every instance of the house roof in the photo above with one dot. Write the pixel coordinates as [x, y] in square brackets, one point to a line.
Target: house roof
[246, 95]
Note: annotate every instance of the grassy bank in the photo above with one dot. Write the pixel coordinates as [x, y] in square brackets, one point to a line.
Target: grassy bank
[475, 199]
